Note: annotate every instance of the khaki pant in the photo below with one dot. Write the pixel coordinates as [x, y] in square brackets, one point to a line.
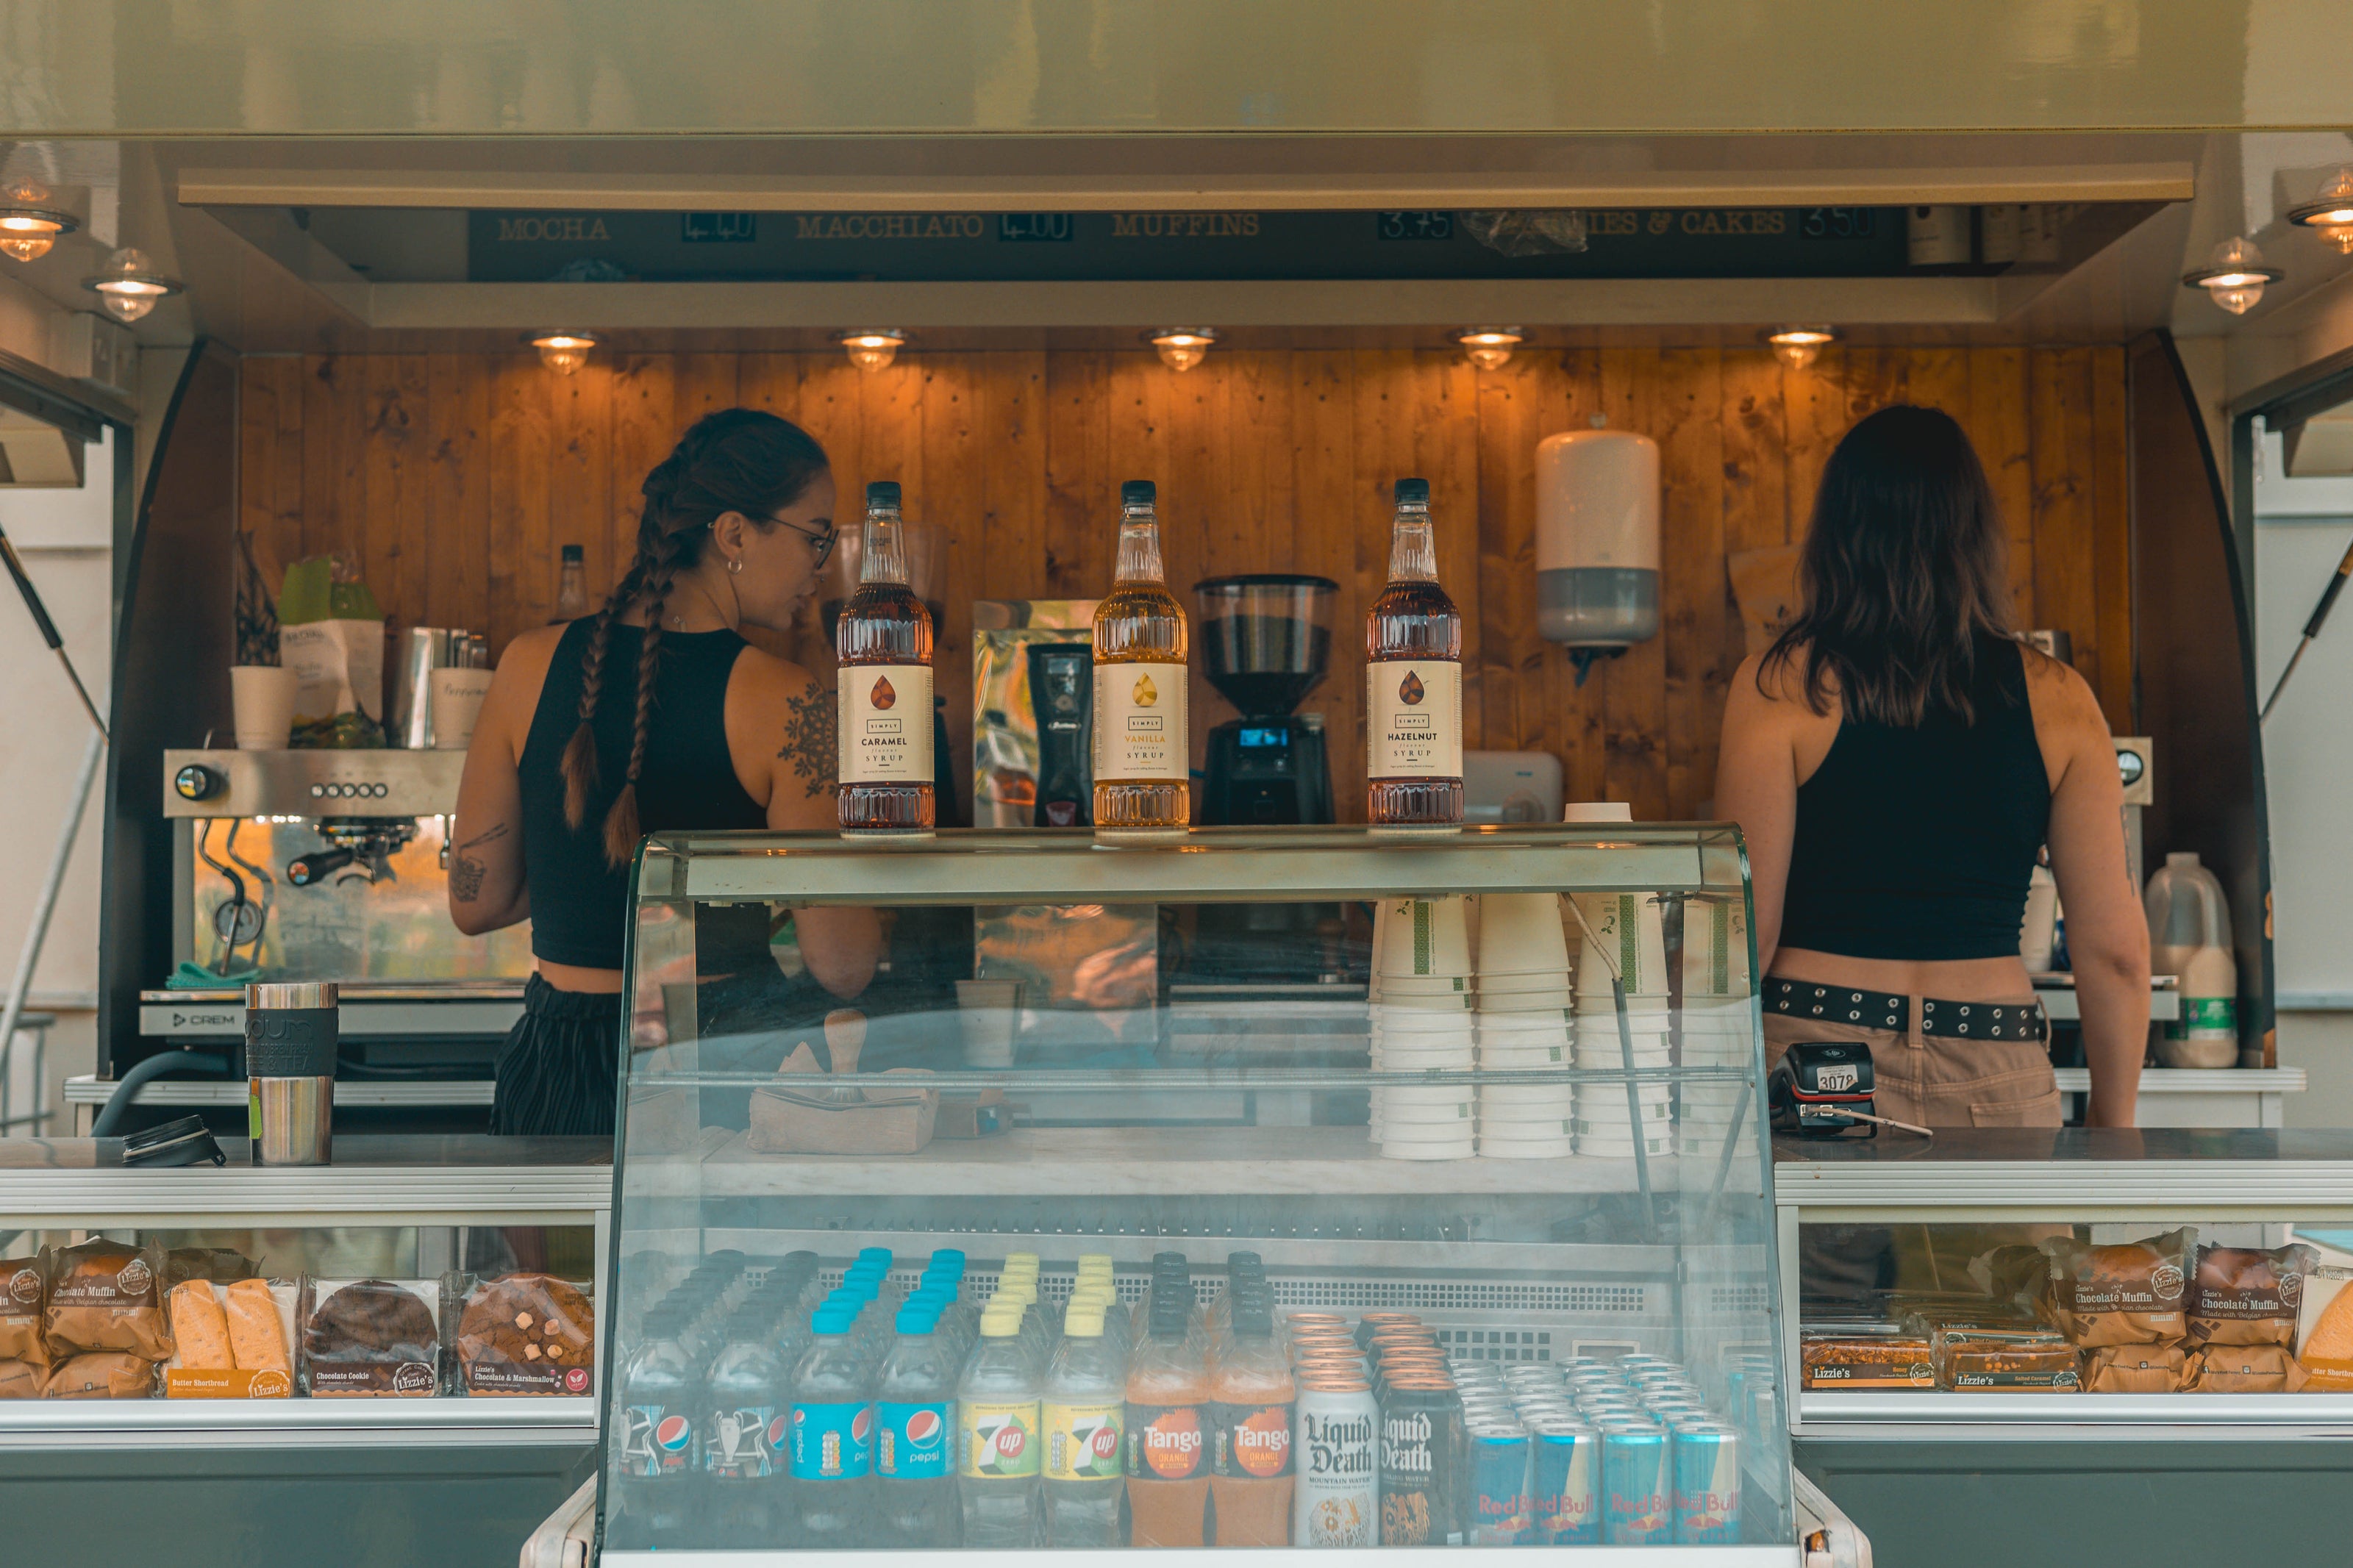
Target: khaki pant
[1936, 1080]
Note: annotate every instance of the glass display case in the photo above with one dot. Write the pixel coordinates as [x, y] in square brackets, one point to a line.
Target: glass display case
[1244, 1188]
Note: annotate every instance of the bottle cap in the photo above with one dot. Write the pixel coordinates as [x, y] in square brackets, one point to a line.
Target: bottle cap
[1138, 493]
[574, 556]
[916, 1318]
[1021, 1260]
[1413, 492]
[883, 493]
[999, 1325]
[832, 1320]
[946, 1255]
[1085, 1324]
[875, 1254]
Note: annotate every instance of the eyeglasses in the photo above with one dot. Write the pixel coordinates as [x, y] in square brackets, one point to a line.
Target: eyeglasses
[820, 542]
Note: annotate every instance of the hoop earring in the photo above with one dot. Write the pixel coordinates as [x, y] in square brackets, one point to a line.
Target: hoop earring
[735, 565]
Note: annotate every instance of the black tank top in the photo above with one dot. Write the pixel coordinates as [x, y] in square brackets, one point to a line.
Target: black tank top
[1918, 844]
[579, 904]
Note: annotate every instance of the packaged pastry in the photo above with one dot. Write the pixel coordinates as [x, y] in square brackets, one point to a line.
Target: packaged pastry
[370, 1338]
[199, 1327]
[1845, 1359]
[217, 1264]
[229, 1341]
[2324, 1331]
[2244, 1369]
[101, 1374]
[22, 1379]
[2018, 1276]
[257, 1313]
[103, 1296]
[2127, 1293]
[21, 1298]
[2242, 1296]
[526, 1334]
[2001, 1361]
[2135, 1369]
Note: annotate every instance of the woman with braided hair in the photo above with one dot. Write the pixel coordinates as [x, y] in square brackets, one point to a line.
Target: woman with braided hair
[653, 715]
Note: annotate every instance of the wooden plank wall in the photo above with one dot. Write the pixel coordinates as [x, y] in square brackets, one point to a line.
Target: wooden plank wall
[454, 478]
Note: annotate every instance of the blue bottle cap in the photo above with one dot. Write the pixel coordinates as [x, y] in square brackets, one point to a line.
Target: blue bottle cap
[916, 1321]
[832, 1320]
[883, 1253]
[948, 1255]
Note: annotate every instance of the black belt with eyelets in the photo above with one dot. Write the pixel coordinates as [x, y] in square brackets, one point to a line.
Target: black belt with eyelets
[1879, 1010]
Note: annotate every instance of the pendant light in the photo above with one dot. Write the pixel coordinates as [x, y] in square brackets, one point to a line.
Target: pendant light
[1798, 346]
[1490, 348]
[563, 352]
[872, 348]
[130, 285]
[2330, 214]
[2235, 275]
[30, 225]
[1182, 348]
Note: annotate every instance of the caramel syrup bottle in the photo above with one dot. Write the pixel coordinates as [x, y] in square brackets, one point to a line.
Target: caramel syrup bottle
[1413, 681]
[1142, 752]
[884, 686]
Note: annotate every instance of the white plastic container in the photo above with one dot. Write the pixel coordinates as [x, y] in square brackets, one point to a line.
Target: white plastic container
[1598, 538]
[2190, 936]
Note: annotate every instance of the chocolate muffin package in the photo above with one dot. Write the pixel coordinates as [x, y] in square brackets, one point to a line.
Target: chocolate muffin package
[2245, 1296]
[101, 1374]
[23, 1379]
[370, 1338]
[105, 1296]
[2135, 1369]
[524, 1333]
[22, 1295]
[2244, 1369]
[2126, 1293]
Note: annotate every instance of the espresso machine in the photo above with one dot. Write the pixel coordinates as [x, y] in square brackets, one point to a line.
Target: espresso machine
[1266, 641]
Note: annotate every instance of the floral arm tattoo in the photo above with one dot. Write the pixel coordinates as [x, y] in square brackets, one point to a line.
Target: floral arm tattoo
[809, 730]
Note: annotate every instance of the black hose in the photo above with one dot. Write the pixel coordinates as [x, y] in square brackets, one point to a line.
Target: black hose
[126, 1088]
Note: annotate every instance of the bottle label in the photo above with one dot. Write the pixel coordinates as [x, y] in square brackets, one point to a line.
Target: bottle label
[659, 1442]
[1252, 1440]
[996, 1440]
[832, 1441]
[2205, 1018]
[1084, 1441]
[886, 724]
[914, 1442]
[1414, 709]
[742, 1443]
[1167, 1442]
[1139, 718]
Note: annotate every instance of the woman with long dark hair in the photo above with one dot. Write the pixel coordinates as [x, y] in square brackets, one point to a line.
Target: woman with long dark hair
[1898, 760]
[653, 714]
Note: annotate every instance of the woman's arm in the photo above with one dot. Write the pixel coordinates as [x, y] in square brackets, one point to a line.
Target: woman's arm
[1757, 786]
[487, 892]
[2107, 931]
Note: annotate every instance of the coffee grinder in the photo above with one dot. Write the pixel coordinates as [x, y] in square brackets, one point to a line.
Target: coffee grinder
[1266, 640]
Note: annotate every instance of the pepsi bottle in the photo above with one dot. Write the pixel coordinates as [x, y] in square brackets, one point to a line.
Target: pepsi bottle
[654, 1469]
[746, 1455]
[915, 1453]
[832, 1434]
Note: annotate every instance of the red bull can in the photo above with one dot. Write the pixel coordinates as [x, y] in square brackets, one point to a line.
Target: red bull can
[1706, 1467]
[1636, 1506]
[1500, 1509]
[1564, 1471]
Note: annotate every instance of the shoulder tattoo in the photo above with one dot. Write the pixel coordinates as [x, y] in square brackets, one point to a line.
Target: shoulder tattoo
[809, 730]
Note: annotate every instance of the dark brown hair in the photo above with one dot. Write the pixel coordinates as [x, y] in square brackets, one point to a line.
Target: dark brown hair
[738, 460]
[1903, 570]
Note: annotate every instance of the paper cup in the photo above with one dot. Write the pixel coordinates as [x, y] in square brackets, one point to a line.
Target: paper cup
[985, 1009]
[1512, 1059]
[1424, 938]
[1629, 924]
[1606, 1149]
[1463, 1150]
[1522, 933]
[261, 698]
[1715, 946]
[1550, 1149]
[457, 703]
[1453, 1114]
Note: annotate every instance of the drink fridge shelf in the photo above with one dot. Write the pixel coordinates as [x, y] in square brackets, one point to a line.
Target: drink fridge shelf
[53, 1424]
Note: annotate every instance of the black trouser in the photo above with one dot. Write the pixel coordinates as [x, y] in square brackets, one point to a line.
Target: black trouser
[555, 1076]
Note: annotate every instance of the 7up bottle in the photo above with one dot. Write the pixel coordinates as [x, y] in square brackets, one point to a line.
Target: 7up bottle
[997, 1451]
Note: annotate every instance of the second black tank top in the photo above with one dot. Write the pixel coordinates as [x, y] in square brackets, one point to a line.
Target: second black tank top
[579, 904]
[1918, 844]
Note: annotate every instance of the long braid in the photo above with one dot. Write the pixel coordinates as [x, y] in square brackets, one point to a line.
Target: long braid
[621, 823]
[580, 763]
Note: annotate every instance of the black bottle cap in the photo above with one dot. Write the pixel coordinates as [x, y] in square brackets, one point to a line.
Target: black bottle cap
[574, 554]
[1138, 493]
[1415, 492]
[882, 492]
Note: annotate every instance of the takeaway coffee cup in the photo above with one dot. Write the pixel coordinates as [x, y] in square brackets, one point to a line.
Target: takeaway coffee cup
[290, 1066]
[261, 699]
[457, 703]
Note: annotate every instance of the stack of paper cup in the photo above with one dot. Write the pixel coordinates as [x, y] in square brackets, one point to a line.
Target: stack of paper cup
[1421, 1022]
[1719, 1025]
[1605, 1124]
[1705, 1115]
[1526, 1007]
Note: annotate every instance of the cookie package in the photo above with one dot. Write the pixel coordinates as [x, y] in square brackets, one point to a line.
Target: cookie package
[369, 1338]
[524, 1333]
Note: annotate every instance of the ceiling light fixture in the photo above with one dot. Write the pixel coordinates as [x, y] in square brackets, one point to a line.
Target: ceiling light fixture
[2330, 214]
[131, 285]
[1182, 348]
[28, 223]
[563, 352]
[1490, 348]
[2235, 275]
[1797, 347]
[872, 348]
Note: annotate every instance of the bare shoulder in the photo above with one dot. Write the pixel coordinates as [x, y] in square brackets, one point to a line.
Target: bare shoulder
[515, 687]
[1766, 686]
[2060, 696]
[529, 654]
[781, 712]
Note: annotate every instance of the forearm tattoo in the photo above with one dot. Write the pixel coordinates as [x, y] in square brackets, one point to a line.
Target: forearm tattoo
[467, 874]
[809, 730]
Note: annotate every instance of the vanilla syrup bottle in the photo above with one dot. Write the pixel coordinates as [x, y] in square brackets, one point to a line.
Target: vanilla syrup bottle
[884, 644]
[1413, 681]
[1142, 753]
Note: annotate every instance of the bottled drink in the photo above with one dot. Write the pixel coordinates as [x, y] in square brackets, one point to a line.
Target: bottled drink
[1084, 1404]
[884, 644]
[914, 1451]
[833, 1433]
[654, 1473]
[571, 585]
[747, 1455]
[1143, 752]
[1413, 680]
[997, 1438]
[1168, 1426]
[1254, 1404]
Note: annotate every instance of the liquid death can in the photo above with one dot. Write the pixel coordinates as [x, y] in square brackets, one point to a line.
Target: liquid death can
[1423, 1461]
[1706, 1485]
[1336, 1497]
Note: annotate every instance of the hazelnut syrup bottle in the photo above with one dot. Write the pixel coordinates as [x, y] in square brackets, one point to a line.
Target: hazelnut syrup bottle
[884, 644]
[1413, 681]
[1143, 755]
